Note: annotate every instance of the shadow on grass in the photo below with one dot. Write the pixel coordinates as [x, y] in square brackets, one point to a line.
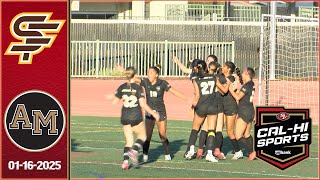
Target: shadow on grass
[175, 146]
[75, 146]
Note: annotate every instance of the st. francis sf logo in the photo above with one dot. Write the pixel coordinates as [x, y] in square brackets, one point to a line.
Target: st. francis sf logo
[282, 136]
[35, 31]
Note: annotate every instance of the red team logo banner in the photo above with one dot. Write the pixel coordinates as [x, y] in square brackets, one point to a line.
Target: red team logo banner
[34, 89]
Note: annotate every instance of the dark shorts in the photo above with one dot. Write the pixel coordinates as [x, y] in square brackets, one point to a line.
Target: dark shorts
[205, 109]
[162, 114]
[219, 102]
[220, 105]
[230, 108]
[246, 113]
[130, 122]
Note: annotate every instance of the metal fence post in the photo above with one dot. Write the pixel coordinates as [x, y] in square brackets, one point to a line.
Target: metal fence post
[233, 44]
[166, 57]
[97, 58]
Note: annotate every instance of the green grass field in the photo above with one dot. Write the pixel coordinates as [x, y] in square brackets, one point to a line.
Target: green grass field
[97, 148]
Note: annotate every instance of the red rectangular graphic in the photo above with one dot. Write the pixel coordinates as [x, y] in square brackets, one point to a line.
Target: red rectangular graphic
[34, 99]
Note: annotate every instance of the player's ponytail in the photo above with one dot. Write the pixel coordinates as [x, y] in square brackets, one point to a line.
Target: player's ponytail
[202, 66]
[239, 75]
[129, 73]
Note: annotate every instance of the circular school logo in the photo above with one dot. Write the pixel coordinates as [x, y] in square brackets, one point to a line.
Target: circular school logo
[34, 121]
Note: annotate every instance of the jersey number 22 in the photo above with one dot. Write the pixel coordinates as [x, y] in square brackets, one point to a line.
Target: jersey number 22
[129, 101]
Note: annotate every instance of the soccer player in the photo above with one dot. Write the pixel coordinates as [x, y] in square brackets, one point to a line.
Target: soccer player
[204, 105]
[230, 108]
[193, 75]
[131, 116]
[246, 111]
[155, 89]
[215, 68]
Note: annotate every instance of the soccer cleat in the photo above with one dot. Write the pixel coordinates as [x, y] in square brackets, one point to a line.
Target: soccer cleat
[237, 155]
[200, 154]
[125, 165]
[252, 156]
[188, 155]
[167, 157]
[145, 157]
[133, 154]
[217, 153]
[211, 158]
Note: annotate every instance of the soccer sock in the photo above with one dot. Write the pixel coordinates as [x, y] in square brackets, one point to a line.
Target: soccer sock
[210, 140]
[138, 145]
[192, 138]
[202, 138]
[245, 144]
[250, 143]
[146, 146]
[125, 153]
[235, 145]
[166, 147]
[218, 140]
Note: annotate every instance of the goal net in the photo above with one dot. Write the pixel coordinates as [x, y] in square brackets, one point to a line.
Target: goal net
[289, 64]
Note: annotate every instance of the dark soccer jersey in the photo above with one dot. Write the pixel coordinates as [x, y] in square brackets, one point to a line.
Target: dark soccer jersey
[131, 109]
[207, 87]
[193, 75]
[247, 100]
[155, 93]
[222, 80]
[228, 98]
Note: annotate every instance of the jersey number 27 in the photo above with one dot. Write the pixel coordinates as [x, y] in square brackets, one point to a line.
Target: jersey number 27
[207, 87]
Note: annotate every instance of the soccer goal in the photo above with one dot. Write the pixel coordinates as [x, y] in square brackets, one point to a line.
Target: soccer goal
[289, 63]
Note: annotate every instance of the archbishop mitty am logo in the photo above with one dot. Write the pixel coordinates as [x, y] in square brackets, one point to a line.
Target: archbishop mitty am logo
[35, 31]
[34, 121]
[282, 136]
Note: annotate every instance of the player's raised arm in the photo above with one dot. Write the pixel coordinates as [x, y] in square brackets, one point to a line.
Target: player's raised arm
[181, 66]
[178, 94]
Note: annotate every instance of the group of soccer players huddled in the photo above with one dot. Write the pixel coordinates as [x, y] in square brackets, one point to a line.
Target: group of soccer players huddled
[216, 102]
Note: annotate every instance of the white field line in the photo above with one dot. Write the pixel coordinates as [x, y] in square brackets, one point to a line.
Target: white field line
[203, 170]
[99, 126]
[117, 149]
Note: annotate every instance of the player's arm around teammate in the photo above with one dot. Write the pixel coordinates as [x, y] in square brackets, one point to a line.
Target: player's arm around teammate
[246, 111]
[131, 116]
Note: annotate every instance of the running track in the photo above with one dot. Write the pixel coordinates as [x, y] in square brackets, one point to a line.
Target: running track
[87, 98]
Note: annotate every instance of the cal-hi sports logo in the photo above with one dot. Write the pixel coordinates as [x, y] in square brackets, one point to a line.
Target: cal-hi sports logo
[282, 136]
[34, 121]
[35, 31]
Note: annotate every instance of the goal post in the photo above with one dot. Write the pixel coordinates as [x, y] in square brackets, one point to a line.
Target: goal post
[289, 68]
